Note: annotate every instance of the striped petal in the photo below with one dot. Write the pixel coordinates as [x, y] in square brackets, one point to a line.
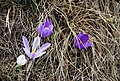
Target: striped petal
[36, 43]
[45, 32]
[50, 28]
[27, 52]
[40, 27]
[47, 23]
[43, 47]
[25, 42]
[39, 54]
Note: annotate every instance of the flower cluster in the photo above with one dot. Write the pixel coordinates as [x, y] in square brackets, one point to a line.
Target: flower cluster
[44, 31]
[81, 41]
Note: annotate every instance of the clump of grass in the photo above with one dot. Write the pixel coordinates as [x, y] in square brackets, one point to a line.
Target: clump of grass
[63, 61]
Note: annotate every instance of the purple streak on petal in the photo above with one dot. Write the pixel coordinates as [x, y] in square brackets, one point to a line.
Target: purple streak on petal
[47, 23]
[36, 43]
[40, 27]
[46, 32]
[27, 52]
[25, 42]
[33, 55]
[84, 38]
[43, 47]
[39, 55]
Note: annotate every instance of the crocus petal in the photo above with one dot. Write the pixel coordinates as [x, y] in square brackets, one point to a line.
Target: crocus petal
[43, 47]
[26, 43]
[50, 27]
[84, 38]
[82, 46]
[40, 27]
[33, 55]
[39, 55]
[76, 42]
[21, 60]
[47, 23]
[45, 32]
[36, 43]
[88, 44]
[80, 34]
[27, 52]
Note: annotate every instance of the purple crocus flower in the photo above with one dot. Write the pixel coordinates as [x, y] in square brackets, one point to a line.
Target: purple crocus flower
[46, 29]
[35, 53]
[81, 41]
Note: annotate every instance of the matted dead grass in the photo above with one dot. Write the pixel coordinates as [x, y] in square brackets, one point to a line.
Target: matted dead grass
[63, 62]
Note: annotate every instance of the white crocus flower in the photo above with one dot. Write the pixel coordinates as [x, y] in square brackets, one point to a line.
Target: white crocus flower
[21, 60]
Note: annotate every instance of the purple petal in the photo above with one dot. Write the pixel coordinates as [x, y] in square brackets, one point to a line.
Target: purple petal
[45, 32]
[83, 46]
[80, 34]
[43, 47]
[84, 38]
[50, 27]
[36, 43]
[25, 42]
[89, 44]
[76, 42]
[40, 27]
[39, 55]
[33, 55]
[27, 52]
[47, 23]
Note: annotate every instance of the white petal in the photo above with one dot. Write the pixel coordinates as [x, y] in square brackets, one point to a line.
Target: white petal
[21, 60]
[36, 43]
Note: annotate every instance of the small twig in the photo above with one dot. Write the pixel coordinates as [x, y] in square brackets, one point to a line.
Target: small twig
[7, 20]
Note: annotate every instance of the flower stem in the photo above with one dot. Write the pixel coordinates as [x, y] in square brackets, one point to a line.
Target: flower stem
[29, 68]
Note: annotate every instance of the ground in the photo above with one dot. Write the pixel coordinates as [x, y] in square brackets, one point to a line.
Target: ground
[100, 19]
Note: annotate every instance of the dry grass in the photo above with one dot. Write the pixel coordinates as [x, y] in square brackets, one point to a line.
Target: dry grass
[63, 62]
